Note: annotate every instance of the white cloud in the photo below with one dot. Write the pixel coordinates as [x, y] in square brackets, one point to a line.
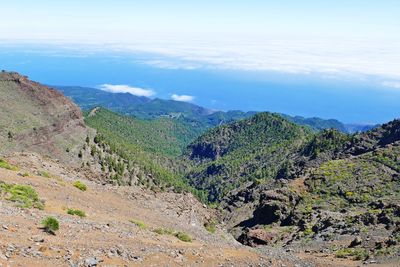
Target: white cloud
[352, 57]
[357, 57]
[183, 98]
[127, 89]
[392, 84]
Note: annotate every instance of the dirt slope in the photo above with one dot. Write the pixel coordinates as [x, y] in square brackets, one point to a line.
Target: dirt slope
[106, 236]
[36, 118]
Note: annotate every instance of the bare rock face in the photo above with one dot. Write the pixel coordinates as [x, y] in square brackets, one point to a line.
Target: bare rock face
[255, 237]
[34, 117]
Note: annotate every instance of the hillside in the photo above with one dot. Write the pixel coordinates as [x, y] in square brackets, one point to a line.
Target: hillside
[317, 124]
[121, 226]
[163, 136]
[254, 149]
[131, 151]
[36, 118]
[327, 193]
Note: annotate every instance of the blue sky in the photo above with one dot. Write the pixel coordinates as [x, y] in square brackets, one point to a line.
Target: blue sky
[351, 18]
[354, 44]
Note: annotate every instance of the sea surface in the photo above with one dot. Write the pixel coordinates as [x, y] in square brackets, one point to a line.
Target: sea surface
[351, 99]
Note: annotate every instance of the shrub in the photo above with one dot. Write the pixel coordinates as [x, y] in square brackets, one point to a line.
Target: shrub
[180, 235]
[213, 205]
[44, 174]
[24, 195]
[308, 231]
[79, 213]
[5, 165]
[210, 227]
[139, 224]
[357, 254]
[343, 253]
[183, 237]
[163, 231]
[25, 174]
[50, 225]
[81, 186]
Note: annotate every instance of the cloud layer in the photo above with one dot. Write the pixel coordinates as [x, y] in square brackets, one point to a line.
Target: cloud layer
[392, 84]
[351, 57]
[127, 89]
[183, 98]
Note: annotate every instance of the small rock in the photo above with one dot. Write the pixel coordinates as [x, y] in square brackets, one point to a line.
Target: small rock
[91, 262]
[2, 256]
[38, 239]
[5, 227]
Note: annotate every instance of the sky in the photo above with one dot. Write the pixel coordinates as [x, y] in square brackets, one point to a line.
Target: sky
[353, 41]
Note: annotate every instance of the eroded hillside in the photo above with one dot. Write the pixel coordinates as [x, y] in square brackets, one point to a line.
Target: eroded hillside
[34, 117]
[332, 194]
[121, 226]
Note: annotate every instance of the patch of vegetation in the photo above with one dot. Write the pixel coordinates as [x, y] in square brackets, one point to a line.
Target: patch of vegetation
[308, 231]
[79, 213]
[183, 237]
[327, 141]
[210, 227]
[163, 231]
[26, 174]
[24, 195]
[139, 224]
[5, 165]
[385, 251]
[339, 184]
[81, 186]
[180, 235]
[44, 174]
[354, 253]
[51, 225]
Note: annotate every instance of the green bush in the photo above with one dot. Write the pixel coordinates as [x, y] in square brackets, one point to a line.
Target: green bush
[81, 186]
[51, 225]
[183, 237]
[79, 213]
[139, 224]
[24, 195]
[356, 254]
[210, 227]
[5, 165]
[163, 231]
[25, 174]
[44, 174]
[180, 235]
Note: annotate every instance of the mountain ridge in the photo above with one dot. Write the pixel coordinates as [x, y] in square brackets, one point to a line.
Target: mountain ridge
[147, 108]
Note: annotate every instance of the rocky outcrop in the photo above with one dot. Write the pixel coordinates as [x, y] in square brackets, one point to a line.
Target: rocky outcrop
[387, 134]
[276, 206]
